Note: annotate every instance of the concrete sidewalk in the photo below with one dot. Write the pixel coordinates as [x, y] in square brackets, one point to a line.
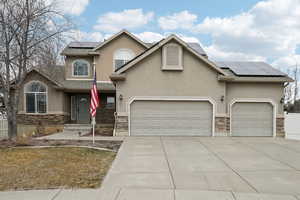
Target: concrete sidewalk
[86, 194]
[137, 194]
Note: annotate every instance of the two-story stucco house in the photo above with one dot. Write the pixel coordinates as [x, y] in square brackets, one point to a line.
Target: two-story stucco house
[167, 88]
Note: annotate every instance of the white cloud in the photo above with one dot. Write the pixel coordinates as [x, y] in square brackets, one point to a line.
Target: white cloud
[189, 38]
[180, 20]
[77, 35]
[149, 36]
[270, 30]
[127, 19]
[154, 37]
[218, 55]
[71, 7]
[287, 63]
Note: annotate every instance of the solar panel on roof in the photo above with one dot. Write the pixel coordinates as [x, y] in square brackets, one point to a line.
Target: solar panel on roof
[251, 68]
[83, 44]
[197, 47]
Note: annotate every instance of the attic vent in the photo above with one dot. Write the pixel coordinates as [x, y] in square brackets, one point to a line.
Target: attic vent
[172, 57]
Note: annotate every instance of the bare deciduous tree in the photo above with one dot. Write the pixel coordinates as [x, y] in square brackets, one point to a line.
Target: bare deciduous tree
[27, 28]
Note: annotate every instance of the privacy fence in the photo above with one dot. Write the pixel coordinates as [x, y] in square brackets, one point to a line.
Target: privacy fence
[3, 128]
[292, 125]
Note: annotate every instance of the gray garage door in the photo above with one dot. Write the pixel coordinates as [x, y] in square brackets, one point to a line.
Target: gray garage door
[252, 119]
[179, 118]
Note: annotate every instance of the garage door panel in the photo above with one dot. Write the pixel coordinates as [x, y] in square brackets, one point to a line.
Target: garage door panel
[252, 119]
[170, 118]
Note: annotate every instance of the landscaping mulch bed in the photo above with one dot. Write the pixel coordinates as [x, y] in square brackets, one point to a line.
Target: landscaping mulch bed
[49, 168]
[112, 145]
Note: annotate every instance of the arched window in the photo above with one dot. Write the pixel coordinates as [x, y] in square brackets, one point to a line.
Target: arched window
[36, 97]
[81, 68]
[122, 56]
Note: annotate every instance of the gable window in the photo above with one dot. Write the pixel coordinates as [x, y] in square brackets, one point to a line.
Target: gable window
[36, 97]
[172, 57]
[122, 56]
[81, 68]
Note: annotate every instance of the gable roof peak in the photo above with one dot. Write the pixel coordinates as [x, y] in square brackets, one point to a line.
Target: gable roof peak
[123, 31]
[162, 43]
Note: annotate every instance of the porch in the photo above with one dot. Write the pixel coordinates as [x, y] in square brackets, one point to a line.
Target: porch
[79, 106]
[80, 118]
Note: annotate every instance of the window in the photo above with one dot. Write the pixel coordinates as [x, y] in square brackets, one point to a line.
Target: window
[36, 97]
[110, 102]
[172, 57]
[122, 56]
[81, 68]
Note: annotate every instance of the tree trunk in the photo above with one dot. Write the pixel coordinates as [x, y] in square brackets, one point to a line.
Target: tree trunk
[12, 115]
[12, 124]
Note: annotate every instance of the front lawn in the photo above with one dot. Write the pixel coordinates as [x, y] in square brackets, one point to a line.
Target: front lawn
[43, 168]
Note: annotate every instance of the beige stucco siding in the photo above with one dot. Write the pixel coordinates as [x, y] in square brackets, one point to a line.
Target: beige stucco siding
[256, 91]
[147, 79]
[104, 63]
[55, 99]
[69, 66]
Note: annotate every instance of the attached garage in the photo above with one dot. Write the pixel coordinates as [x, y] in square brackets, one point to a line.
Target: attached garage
[252, 119]
[171, 118]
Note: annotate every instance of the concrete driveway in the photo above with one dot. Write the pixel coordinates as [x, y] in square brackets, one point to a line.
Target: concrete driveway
[190, 168]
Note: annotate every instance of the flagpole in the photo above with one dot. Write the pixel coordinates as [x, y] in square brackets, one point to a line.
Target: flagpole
[93, 123]
[94, 102]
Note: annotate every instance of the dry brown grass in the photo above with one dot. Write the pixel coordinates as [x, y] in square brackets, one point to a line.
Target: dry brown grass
[42, 168]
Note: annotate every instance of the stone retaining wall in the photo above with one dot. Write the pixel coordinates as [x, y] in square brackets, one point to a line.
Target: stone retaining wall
[42, 119]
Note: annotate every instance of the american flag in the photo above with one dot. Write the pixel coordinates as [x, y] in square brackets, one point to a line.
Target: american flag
[94, 97]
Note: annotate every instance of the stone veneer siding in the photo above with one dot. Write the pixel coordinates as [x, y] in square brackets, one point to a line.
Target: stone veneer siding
[222, 126]
[280, 127]
[105, 115]
[121, 126]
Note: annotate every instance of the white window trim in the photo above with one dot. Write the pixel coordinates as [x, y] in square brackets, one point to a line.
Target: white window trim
[89, 67]
[122, 49]
[173, 98]
[254, 100]
[164, 58]
[24, 100]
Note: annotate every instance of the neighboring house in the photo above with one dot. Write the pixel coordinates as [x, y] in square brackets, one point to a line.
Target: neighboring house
[167, 88]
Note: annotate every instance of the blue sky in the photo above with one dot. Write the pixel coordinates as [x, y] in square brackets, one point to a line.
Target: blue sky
[266, 30]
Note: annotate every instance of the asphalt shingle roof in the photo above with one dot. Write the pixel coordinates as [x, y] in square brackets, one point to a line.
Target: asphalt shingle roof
[57, 74]
[86, 85]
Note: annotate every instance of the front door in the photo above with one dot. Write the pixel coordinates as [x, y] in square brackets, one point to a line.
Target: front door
[83, 107]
